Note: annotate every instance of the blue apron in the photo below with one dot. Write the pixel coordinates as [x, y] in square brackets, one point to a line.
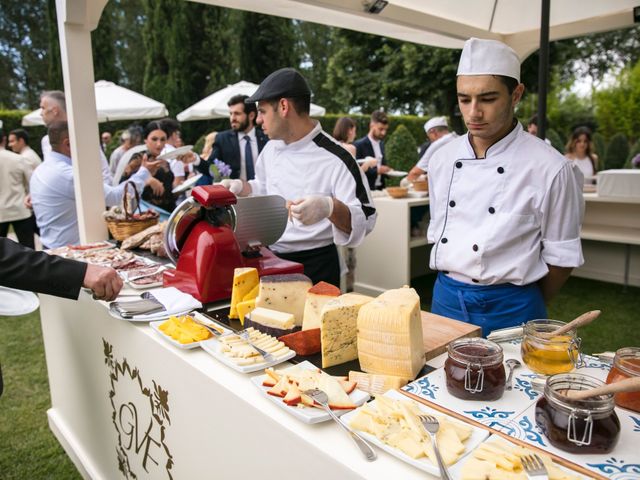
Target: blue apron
[487, 306]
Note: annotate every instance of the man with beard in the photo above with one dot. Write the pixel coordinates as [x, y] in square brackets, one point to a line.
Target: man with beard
[240, 146]
[372, 145]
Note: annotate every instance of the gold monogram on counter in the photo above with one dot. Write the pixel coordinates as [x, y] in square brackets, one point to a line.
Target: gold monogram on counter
[140, 416]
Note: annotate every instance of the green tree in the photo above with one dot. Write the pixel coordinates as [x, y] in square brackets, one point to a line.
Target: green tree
[617, 152]
[401, 149]
[267, 43]
[103, 47]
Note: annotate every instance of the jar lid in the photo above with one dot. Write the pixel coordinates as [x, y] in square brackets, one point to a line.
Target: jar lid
[476, 351]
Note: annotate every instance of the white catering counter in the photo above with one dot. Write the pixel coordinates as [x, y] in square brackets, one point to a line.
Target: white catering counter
[125, 401]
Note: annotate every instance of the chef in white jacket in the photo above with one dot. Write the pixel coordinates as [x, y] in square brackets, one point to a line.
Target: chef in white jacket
[506, 208]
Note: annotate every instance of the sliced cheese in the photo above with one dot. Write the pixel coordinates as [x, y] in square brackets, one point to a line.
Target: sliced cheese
[317, 297]
[284, 293]
[244, 280]
[377, 384]
[390, 334]
[338, 328]
[272, 318]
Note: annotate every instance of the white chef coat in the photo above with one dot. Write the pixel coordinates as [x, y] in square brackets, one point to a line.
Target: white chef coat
[503, 218]
[423, 163]
[315, 165]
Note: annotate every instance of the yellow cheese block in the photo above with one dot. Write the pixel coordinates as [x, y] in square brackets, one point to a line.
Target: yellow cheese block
[338, 328]
[390, 334]
[244, 280]
[252, 294]
[244, 308]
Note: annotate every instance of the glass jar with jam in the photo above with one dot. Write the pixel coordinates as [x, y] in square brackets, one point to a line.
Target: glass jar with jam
[549, 355]
[577, 426]
[474, 369]
[626, 364]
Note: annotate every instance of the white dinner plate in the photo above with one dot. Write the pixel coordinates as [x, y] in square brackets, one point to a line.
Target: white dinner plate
[478, 435]
[17, 302]
[175, 153]
[308, 414]
[396, 173]
[212, 346]
[187, 184]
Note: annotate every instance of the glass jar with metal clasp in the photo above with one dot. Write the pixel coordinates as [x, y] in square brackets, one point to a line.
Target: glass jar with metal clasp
[626, 364]
[474, 369]
[550, 354]
[577, 426]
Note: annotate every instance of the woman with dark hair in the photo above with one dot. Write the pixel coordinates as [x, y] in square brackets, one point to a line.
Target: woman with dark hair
[158, 188]
[580, 151]
[345, 132]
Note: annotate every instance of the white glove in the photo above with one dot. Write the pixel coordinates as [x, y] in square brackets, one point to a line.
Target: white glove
[405, 182]
[310, 210]
[233, 185]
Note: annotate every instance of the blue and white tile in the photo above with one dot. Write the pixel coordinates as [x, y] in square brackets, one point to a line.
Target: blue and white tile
[623, 463]
[495, 414]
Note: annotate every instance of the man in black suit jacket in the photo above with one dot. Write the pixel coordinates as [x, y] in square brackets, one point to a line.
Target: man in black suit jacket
[232, 146]
[26, 269]
[372, 145]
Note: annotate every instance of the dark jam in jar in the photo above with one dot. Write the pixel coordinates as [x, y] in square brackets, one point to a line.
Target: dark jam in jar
[626, 364]
[474, 369]
[577, 426]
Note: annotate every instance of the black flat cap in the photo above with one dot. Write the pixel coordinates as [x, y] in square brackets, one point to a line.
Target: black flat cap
[283, 83]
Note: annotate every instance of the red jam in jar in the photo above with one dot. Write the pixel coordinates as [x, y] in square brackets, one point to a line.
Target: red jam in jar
[626, 364]
[577, 426]
[474, 369]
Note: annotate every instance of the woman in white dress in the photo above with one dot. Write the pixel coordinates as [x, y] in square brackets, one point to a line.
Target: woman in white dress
[580, 151]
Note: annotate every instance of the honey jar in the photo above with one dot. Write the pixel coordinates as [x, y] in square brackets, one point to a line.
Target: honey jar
[577, 426]
[626, 364]
[549, 355]
[474, 369]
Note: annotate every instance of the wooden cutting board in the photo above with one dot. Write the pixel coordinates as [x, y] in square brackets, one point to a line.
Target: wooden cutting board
[438, 331]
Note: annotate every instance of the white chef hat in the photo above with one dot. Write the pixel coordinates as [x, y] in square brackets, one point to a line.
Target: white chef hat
[435, 122]
[488, 57]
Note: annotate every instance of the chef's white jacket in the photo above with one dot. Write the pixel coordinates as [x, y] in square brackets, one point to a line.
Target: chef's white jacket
[315, 165]
[423, 163]
[504, 218]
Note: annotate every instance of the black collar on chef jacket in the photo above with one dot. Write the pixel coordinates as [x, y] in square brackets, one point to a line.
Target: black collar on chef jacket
[506, 137]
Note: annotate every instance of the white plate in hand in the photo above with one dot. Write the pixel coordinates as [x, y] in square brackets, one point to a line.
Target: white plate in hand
[187, 184]
[308, 414]
[213, 347]
[478, 435]
[175, 153]
[396, 173]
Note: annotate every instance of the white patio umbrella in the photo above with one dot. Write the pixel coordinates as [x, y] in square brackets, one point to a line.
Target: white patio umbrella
[215, 105]
[114, 102]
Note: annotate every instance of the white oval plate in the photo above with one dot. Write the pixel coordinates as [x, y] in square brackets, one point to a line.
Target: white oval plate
[175, 153]
[17, 302]
[187, 184]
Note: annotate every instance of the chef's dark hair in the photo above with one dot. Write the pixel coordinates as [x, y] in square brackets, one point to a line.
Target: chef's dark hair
[302, 104]
[248, 107]
[509, 82]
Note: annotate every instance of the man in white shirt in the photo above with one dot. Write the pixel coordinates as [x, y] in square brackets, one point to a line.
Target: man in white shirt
[327, 193]
[505, 207]
[437, 130]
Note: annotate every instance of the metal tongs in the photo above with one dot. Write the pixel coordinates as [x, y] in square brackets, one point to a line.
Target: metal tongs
[146, 305]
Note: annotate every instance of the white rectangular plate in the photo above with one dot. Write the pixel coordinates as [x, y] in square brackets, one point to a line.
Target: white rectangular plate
[309, 414]
[478, 435]
[212, 346]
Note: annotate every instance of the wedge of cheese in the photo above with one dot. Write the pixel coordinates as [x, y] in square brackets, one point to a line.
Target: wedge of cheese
[317, 297]
[338, 328]
[244, 281]
[244, 308]
[270, 321]
[390, 334]
[284, 293]
[376, 384]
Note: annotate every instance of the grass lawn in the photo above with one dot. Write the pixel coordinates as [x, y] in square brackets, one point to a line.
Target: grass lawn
[28, 449]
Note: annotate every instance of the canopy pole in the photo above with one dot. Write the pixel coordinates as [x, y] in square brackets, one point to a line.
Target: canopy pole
[543, 69]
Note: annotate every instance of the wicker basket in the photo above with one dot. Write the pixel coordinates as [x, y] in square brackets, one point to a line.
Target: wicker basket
[123, 229]
[397, 192]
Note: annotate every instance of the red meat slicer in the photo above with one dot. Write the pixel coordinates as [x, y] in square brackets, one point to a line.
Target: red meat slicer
[213, 232]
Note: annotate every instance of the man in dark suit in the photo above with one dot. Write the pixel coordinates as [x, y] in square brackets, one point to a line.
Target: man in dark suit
[26, 269]
[240, 146]
[372, 145]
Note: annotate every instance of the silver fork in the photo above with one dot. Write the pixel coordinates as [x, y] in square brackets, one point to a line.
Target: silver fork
[431, 425]
[533, 467]
[268, 357]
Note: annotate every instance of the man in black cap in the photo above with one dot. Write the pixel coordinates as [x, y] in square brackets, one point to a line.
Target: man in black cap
[327, 194]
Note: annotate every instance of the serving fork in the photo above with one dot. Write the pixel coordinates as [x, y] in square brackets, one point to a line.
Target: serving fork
[268, 357]
[431, 425]
[533, 467]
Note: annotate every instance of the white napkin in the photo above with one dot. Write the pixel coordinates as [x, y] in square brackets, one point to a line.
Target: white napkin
[174, 301]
